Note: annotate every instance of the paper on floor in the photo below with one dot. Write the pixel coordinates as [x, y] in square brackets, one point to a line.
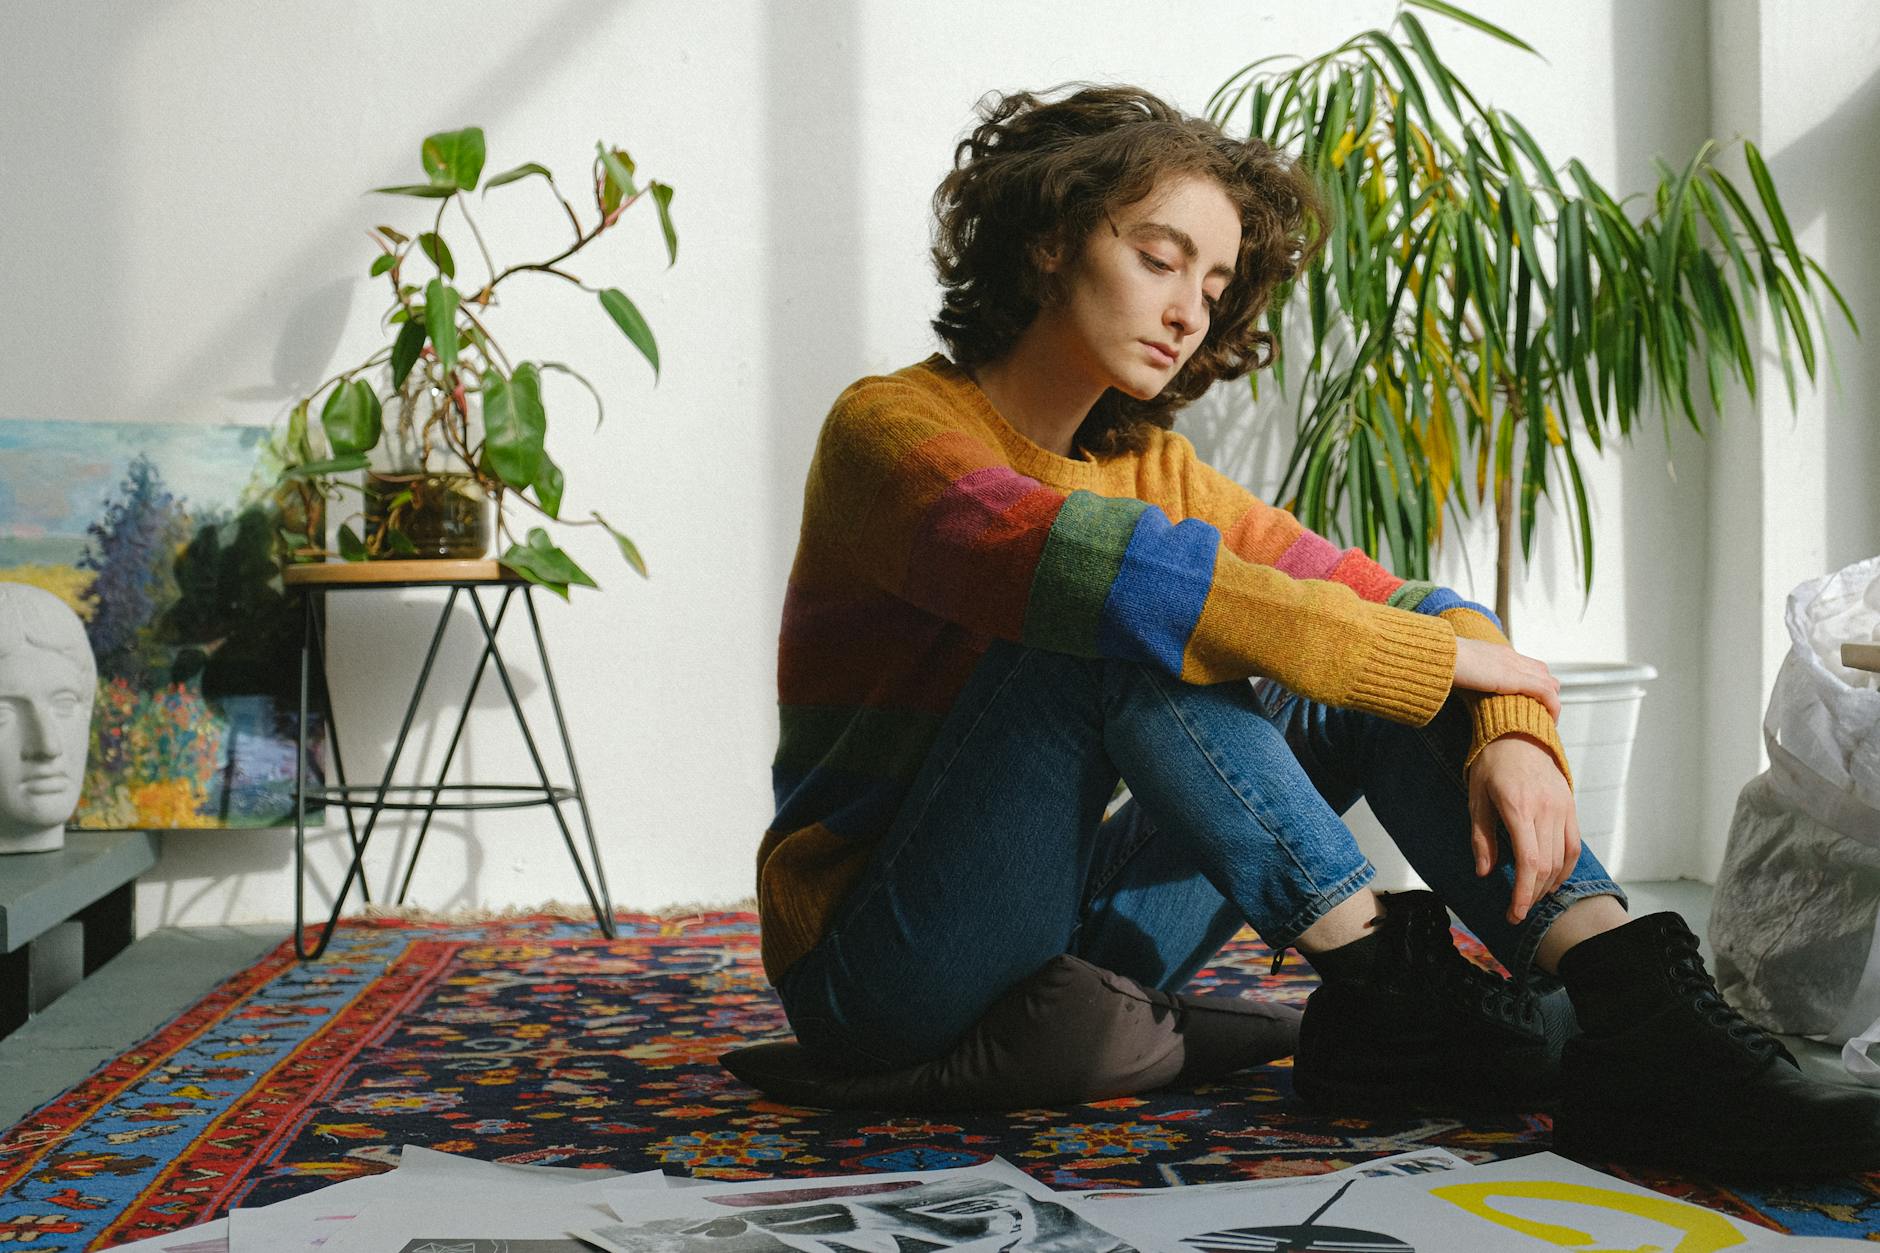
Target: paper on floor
[313, 1219]
[1538, 1202]
[990, 1206]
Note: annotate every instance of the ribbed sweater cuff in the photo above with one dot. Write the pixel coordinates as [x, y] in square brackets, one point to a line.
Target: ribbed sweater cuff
[1496, 716]
[1412, 662]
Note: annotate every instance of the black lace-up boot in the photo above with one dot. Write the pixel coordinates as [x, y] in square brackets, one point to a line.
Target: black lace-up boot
[1404, 1021]
[1667, 1074]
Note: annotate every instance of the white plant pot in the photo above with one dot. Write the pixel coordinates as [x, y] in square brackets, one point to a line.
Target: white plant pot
[1599, 708]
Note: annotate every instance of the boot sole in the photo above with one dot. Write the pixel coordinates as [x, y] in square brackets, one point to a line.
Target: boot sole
[1336, 1097]
[1632, 1145]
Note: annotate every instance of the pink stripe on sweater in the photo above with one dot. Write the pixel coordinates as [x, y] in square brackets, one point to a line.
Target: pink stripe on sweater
[1311, 556]
[973, 505]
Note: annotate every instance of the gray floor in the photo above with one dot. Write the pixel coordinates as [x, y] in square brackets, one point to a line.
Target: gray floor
[156, 978]
[147, 984]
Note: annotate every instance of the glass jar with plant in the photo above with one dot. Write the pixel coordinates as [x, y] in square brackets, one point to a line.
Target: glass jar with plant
[446, 429]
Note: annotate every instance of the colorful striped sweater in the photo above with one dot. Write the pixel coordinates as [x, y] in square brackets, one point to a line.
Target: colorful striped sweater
[931, 526]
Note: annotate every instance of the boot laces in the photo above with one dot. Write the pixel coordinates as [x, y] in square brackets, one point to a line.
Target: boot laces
[1694, 984]
[1503, 1000]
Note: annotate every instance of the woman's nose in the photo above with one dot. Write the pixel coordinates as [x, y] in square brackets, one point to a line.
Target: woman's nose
[1185, 315]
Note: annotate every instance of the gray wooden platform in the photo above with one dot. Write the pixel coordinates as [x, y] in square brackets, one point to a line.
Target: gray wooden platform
[90, 882]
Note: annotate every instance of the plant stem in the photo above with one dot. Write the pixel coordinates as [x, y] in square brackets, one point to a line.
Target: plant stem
[377, 358]
[581, 241]
[488, 338]
[488, 261]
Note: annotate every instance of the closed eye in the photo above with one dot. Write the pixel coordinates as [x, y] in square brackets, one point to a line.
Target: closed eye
[1160, 266]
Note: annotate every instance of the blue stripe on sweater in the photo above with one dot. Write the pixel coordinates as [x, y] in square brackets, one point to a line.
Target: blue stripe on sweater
[1442, 598]
[1157, 596]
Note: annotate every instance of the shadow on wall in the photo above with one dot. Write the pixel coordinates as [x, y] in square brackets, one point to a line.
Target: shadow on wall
[200, 868]
[1826, 176]
[315, 318]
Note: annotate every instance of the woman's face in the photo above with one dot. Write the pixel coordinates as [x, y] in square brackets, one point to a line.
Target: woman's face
[1139, 296]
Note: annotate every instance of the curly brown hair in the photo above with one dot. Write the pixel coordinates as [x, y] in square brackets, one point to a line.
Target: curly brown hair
[1037, 176]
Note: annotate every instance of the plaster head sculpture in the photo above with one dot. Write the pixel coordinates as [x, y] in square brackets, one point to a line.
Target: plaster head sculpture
[47, 681]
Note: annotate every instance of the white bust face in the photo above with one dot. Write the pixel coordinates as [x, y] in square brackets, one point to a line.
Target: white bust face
[45, 717]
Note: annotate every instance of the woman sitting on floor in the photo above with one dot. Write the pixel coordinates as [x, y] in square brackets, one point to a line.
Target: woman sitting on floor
[1015, 584]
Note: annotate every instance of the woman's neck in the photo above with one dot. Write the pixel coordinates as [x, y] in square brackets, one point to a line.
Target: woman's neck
[1040, 391]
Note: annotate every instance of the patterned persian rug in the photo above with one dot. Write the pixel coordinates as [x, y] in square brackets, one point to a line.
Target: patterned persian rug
[534, 1041]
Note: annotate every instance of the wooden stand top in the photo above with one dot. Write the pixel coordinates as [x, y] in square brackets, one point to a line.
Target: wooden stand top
[397, 573]
[1861, 656]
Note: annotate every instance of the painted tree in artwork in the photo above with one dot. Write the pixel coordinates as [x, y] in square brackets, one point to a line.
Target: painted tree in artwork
[130, 551]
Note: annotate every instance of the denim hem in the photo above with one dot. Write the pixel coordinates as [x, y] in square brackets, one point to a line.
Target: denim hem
[1320, 905]
[1544, 915]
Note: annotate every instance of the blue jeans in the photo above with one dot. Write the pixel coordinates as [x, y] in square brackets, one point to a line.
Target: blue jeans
[1001, 857]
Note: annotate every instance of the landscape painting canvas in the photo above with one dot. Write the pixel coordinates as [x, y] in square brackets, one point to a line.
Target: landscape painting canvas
[166, 541]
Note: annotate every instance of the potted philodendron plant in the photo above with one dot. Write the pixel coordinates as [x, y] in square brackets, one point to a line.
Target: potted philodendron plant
[443, 428]
[1480, 318]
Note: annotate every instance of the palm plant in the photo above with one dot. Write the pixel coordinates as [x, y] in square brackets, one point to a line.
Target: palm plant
[1476, 322]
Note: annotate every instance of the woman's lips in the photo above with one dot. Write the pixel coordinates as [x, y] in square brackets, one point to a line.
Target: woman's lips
[1162, 355]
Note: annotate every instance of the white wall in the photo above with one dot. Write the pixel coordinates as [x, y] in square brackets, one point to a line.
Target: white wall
[1792, 488]
[182, 230]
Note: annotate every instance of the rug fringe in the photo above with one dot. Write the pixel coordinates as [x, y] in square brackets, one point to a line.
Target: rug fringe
[554, 909]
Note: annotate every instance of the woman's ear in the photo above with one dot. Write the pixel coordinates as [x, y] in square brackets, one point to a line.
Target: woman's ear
[1047, 255]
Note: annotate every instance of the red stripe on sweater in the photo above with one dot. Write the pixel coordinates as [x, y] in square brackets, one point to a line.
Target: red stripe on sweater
[1365, 577]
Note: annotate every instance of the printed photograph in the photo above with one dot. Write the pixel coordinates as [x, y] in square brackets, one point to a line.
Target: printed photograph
[974, 1214]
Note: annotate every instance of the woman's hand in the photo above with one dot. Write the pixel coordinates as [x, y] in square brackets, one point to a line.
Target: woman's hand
[1485, 667]
[1515, 779]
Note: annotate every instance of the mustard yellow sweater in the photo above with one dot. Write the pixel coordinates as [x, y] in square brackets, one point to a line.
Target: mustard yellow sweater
[932, 527]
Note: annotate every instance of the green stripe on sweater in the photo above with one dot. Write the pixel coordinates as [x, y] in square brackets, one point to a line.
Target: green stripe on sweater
[1081, 558]
[875, 743]
[1410, 595]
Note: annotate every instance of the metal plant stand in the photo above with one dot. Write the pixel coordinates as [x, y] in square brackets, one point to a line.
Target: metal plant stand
[470, 580]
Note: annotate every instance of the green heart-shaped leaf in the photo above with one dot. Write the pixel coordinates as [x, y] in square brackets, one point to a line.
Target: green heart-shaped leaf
[549, 483]
[405, 350]
[628, 549]
[521, 171]
[662, 200]
[298, 445]
[429, 191]
[440, 322]
[439, 252]
[351, 548]
[514, 424]
[454, 159]
[619, 182]
[545, 565]
[351, 418]
[333, 465]
[628, 318]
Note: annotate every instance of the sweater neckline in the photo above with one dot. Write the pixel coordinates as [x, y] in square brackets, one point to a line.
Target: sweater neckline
[1027, 455]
